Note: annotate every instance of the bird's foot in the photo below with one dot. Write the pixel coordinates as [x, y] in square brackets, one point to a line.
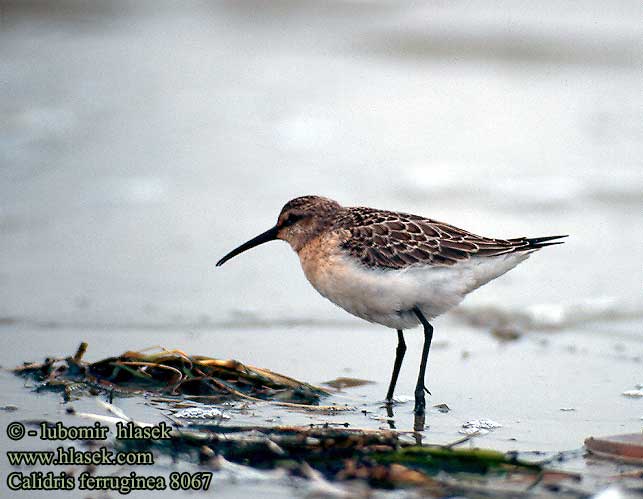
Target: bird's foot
[420, 401]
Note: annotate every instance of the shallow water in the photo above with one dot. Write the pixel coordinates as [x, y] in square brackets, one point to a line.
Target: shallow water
[141, 141]
[141, 144]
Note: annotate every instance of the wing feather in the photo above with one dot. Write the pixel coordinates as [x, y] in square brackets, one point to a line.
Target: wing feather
[399, 240]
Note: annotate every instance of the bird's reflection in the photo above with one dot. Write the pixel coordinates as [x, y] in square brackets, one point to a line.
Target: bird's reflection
[418, 425]
[390, 415]
[419, 422]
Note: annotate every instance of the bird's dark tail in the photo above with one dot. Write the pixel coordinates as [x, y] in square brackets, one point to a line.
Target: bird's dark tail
[541, 242]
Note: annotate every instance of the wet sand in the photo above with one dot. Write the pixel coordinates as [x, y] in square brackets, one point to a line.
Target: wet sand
[548, 391]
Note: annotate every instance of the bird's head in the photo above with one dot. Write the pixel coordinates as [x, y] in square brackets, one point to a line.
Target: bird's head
[300, 220]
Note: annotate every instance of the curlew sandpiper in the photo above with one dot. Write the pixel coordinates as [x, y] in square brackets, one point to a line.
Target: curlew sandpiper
[390, 268]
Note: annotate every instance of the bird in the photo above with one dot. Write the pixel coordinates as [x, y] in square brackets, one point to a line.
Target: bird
[390, 268]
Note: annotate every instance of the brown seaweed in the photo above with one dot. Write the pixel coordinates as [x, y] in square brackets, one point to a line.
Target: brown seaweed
[172, 372]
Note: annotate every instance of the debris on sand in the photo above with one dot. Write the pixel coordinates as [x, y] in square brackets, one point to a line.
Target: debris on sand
[626, 448]
[484, 424]
[337, 457]
[201, 413]
[506, 333]
[634, 394]
[442, 408]
[473, 431]
[549, 316]
[331, 459]
[171, 372]
[478, 427]
[343, 382]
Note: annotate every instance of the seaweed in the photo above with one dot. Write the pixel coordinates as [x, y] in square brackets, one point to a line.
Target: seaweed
[171, 372]
[380, 458]
[318, 453]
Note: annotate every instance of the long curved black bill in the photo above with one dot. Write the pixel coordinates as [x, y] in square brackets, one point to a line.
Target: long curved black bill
[269, 235]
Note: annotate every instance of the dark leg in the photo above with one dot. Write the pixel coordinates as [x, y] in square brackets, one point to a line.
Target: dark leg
[399, 357]
[390, 415]
[420, 402]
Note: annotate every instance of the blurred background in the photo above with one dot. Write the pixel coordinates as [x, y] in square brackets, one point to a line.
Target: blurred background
[142, 140]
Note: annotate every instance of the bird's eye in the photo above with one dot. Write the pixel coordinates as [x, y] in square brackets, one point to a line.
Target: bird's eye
[291, 219]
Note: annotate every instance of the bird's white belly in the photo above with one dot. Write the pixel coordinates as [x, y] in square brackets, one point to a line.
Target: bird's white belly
[388, 296]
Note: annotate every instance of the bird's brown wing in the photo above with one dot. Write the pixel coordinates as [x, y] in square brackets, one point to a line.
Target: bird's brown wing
[398, 240]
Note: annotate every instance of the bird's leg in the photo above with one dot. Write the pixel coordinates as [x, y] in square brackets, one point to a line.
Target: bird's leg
[399, 357]
[420, 402]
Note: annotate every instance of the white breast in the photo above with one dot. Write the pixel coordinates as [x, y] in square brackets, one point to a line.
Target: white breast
[387, 296]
